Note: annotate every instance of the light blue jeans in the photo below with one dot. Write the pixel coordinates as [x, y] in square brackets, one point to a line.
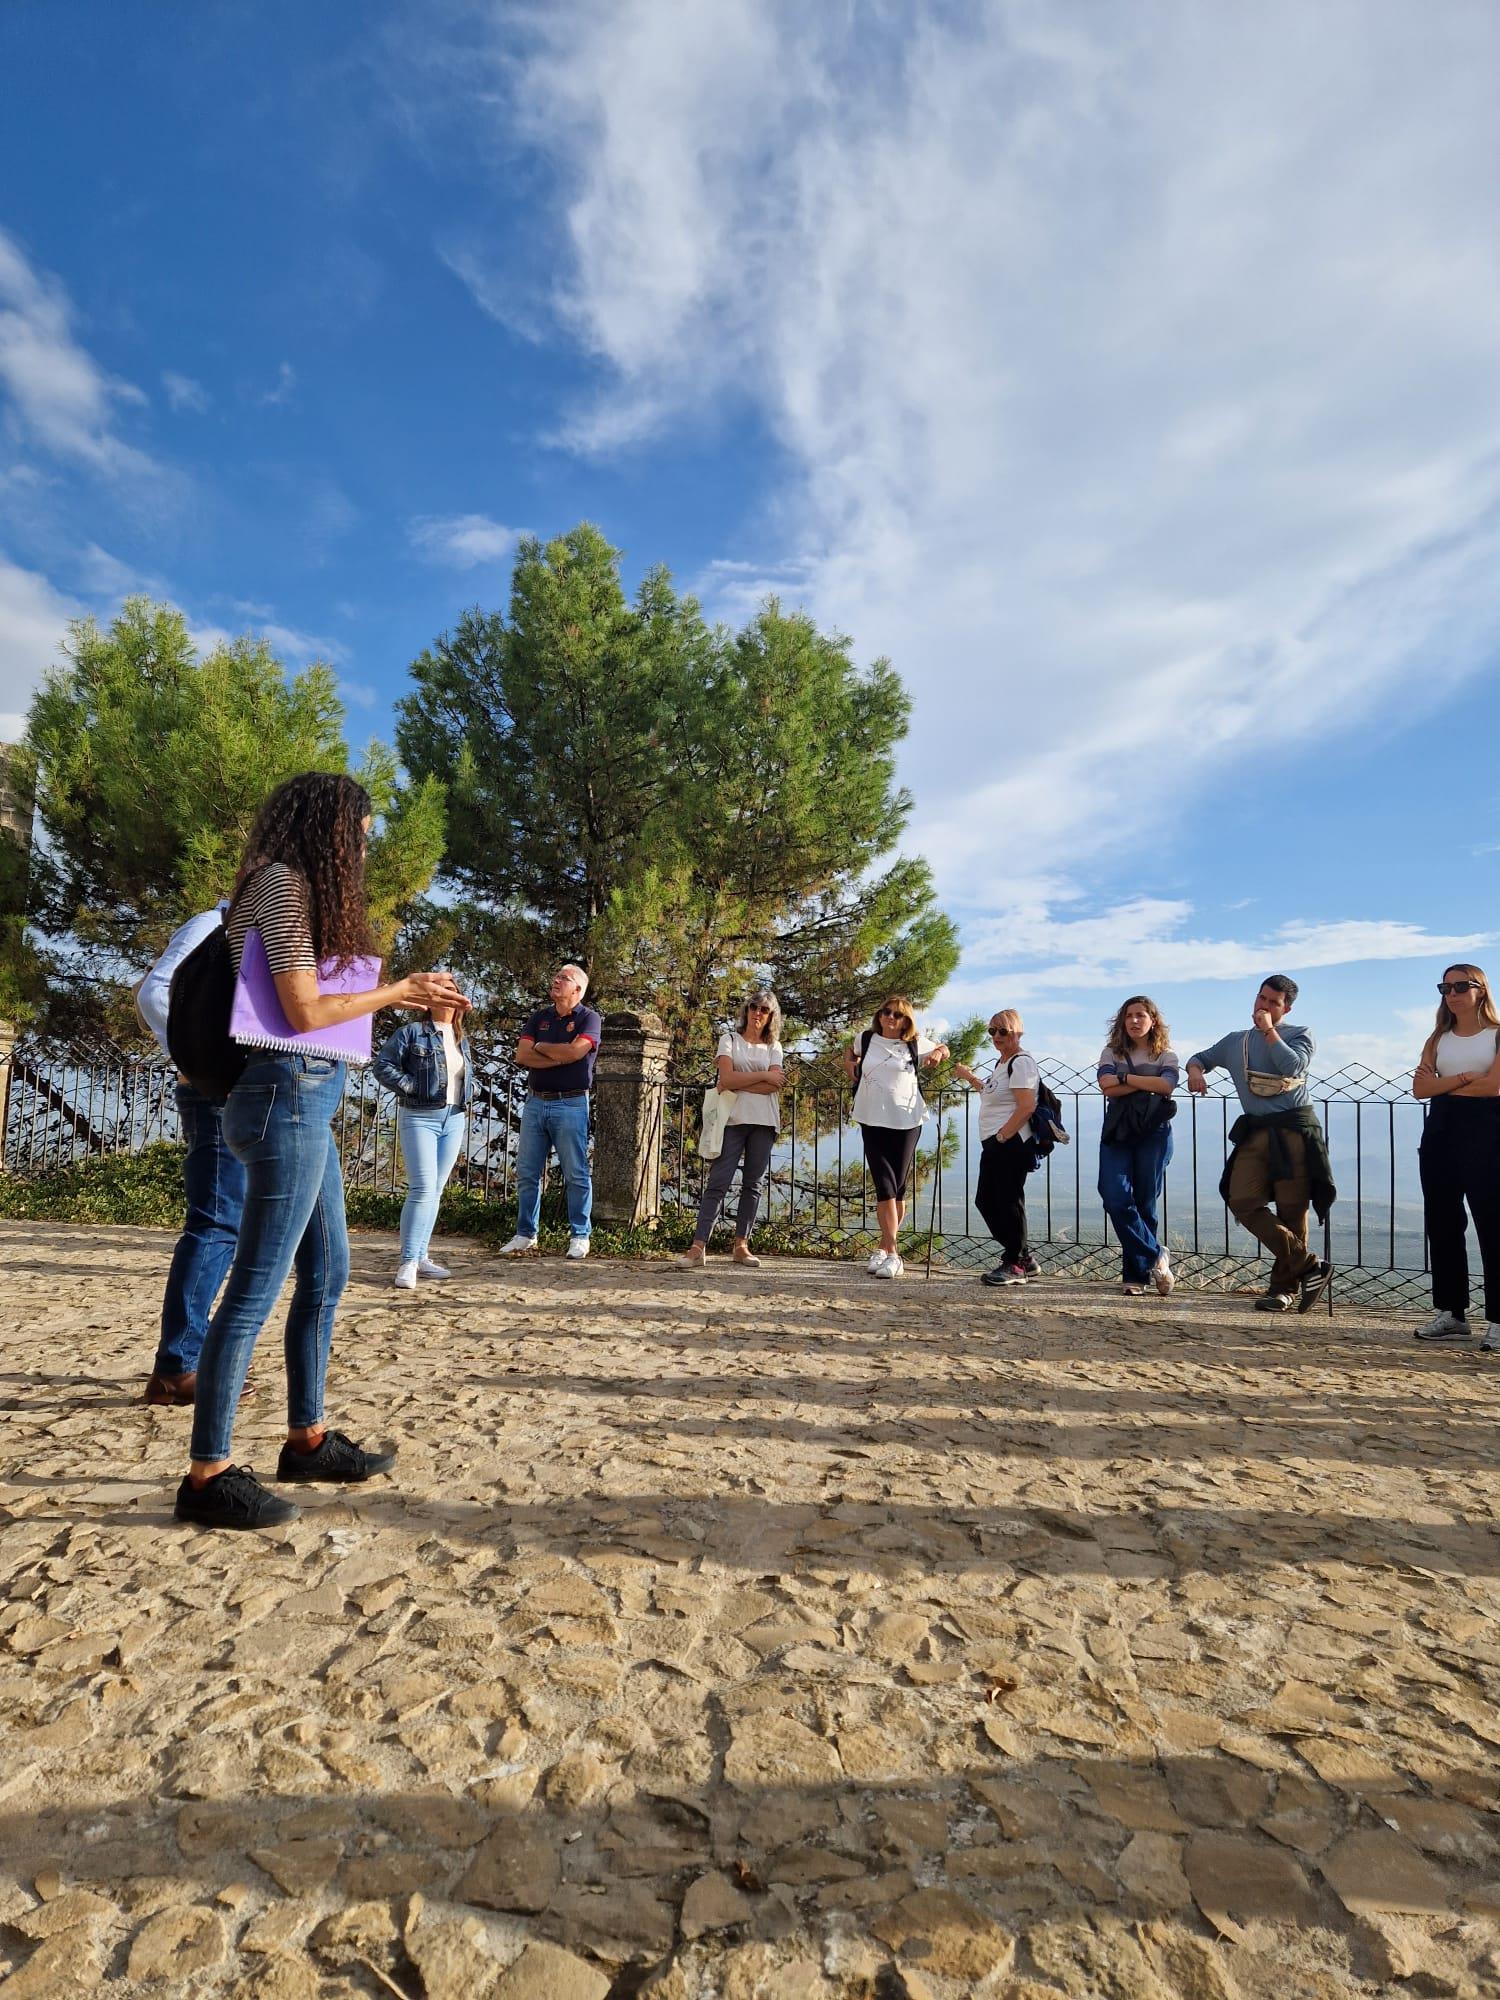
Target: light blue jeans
[431, 1142]
[278, 1125]
[560, 1125]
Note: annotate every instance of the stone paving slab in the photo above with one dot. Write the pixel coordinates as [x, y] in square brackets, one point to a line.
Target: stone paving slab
[778, 1633]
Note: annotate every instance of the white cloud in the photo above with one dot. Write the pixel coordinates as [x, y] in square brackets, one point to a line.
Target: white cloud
[33, 619]
[286, 382]
[183, 393]
[1159, 412]
[58, 395]
[1149, 942]
[462, 541]
[498, 293]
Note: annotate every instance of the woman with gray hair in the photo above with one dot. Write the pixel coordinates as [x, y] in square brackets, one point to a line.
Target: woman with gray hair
[750, 1066]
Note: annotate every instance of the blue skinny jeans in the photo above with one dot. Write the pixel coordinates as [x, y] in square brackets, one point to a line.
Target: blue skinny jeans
[560, 1125]
[431, 1142]
[1130, 1184]
[278, 1125]
[214, 1182]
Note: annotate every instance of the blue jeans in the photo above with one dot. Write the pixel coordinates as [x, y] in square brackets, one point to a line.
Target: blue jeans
[560, 1125]
[214, 1182]
[1130, 1181]
[277, 1124]
[430, 1145]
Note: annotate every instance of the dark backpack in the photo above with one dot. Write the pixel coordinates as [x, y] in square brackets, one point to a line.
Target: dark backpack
[198, 1010]
[1047, 1128]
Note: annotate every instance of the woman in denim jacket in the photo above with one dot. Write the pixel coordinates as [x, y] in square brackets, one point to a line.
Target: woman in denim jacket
[425, 1063]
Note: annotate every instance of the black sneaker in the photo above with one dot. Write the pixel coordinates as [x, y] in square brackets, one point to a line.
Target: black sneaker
[1031, 1267]
[1313, 1286]
[233, 1498]
[338, 1460]
[1004, 1274]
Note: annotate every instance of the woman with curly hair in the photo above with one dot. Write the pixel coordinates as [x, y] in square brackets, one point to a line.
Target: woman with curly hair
[1458, 1078]
[302, 887]
[1138, 1072]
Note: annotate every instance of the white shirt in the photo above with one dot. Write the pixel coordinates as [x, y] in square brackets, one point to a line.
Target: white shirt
[752, 1107]
[1475, 1053]
[888, 1092]
[997, 1101]
[453, 1056]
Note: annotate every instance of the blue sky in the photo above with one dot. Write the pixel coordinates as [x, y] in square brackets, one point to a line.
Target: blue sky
[1127, 376]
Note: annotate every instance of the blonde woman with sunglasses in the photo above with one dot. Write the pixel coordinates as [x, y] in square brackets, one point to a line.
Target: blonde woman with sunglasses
[884, 1064]
[1458, 1078]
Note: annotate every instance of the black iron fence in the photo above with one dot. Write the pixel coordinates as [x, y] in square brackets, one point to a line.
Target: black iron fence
[67, 1105]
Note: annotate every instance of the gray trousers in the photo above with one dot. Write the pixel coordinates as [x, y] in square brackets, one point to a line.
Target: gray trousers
[753, 1143]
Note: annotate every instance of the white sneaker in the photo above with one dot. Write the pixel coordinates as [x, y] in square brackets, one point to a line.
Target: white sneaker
[518, 1246]
[891, 1268]
[877, 1258]
[1491, 1341]
[1444, 1326]
[578, 1247]
[1161, 1274]
[427, 1269]
[405, 1279]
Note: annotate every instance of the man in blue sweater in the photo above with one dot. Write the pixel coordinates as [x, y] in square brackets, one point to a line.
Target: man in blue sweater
[1279, 1165]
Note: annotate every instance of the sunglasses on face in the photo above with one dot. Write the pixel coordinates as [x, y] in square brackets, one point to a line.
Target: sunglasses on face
[1447, 986]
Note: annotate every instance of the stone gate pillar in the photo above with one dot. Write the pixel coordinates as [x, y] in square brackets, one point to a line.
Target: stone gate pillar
[630, 1079]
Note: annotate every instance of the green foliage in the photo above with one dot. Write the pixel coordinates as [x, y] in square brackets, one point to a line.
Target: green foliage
[684, 809]
[151, 764]
[144, 1190]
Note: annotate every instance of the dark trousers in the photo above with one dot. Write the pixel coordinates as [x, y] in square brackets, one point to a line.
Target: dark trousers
[1460, 1163]
[1130, 1179]
[214, 1182]
[751, 1144]
[1000, 1194]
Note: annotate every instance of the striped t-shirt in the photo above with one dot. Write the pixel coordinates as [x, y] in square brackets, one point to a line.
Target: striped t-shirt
[274, 902]
[1167, 1064]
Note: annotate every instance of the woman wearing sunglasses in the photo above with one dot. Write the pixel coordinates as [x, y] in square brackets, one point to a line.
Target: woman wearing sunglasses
[1458, 1077]
[750, 1065]
[884, 1065]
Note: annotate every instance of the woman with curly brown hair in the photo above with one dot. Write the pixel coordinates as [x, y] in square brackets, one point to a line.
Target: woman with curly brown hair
[301, 886]
[1138, 1071]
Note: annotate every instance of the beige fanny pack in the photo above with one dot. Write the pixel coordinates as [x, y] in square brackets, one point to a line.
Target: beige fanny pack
[1265, 1082]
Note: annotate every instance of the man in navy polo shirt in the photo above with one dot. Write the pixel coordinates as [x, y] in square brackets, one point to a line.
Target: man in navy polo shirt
[557, 1046]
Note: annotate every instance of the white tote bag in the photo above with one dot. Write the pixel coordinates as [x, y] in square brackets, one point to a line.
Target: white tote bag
[717, 1105]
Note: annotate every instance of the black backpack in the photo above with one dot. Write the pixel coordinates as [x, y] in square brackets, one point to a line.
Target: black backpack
[198, 1010]
[1047, 1128]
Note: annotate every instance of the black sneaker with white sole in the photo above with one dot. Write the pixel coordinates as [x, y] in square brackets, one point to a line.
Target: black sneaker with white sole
[233, 1498]
[338, 1461]
[1313, 1286]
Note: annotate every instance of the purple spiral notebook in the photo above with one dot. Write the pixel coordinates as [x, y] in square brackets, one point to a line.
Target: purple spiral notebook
[257, 1022]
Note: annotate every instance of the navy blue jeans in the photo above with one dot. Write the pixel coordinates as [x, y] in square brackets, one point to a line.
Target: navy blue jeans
[1130, 1182]
[278, 1125]
[560, 1125]
[214, 1182]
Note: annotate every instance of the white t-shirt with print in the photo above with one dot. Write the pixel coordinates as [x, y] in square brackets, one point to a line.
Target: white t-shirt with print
[997, 1100]
[888, 1092]
[752, 1107]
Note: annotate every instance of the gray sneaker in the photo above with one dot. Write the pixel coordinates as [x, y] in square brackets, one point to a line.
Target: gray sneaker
[1275, 1302]
[1444, 1326]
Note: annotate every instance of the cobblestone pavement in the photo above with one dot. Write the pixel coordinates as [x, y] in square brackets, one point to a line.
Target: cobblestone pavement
[774, 1633]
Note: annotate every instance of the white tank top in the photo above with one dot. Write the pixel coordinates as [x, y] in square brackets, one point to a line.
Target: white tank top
[1474, 1053]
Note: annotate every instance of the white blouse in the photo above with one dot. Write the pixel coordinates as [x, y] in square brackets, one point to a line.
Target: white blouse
[888, 1092]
